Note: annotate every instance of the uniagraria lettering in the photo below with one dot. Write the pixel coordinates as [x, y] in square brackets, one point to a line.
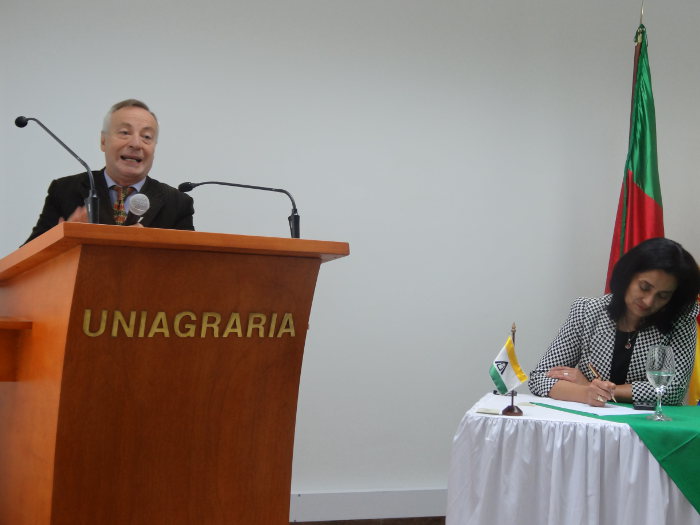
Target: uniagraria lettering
[186, 324]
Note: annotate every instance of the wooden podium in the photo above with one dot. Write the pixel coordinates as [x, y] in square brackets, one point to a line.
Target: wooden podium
[151, 376]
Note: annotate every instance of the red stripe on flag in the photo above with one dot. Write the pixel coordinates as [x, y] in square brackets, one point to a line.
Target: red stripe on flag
[618, 235]
[639, 217]
[646, 220]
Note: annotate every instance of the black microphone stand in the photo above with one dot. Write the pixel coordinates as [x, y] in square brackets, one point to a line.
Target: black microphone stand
[91, 202]
[294, 218]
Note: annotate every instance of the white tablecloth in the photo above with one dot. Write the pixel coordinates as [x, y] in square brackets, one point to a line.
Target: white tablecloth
[552, 467]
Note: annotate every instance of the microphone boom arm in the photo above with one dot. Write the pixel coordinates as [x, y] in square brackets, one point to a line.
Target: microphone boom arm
[91, 203]
[293, 218]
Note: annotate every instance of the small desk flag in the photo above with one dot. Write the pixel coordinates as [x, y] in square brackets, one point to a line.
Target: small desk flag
[505, 370]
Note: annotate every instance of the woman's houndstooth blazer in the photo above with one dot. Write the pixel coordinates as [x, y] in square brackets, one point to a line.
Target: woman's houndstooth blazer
[588, 335]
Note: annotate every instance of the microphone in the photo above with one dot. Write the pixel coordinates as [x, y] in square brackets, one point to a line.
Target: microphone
[138, 205]
[91, 202]
[293, 219]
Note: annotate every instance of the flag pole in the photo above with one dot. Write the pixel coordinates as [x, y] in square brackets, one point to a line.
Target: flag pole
[512, 410]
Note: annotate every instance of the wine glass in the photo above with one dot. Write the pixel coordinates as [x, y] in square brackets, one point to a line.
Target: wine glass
[661, 367]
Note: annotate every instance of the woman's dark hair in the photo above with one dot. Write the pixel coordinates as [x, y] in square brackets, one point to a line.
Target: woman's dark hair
[656, 254]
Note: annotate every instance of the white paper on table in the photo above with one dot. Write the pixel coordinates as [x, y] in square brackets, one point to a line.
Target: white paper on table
[607, 410]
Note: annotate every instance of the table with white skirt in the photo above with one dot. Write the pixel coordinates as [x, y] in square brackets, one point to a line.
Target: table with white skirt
[557, 468]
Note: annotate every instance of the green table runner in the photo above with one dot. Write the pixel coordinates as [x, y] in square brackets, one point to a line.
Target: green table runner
[675, 444]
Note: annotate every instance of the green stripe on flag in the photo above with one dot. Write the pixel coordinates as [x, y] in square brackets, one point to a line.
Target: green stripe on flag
[642, 157]
[498, 380]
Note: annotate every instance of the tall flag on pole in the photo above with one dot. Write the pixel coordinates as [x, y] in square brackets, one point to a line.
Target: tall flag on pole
[505, 370]
[639, 212]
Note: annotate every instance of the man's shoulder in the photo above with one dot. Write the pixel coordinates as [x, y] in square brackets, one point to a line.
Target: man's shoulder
[155, 186]
[70, 184]
[72, 179]
[174, 208]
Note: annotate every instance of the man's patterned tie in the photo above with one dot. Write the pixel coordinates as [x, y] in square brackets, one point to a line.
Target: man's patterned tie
[118, 209]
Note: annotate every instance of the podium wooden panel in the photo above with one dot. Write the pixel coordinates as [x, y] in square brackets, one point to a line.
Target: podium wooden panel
[179, 408]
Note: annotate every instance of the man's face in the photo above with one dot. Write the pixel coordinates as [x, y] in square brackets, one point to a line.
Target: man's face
[129, 144]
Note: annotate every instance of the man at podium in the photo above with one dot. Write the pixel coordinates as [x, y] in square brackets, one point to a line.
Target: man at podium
[128, 140]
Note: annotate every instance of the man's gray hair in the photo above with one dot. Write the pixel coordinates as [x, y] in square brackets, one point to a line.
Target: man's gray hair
[128, 103]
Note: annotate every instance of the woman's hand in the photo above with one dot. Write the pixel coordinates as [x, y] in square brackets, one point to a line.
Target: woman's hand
[566, 373]
[596, 393]
[599, 392]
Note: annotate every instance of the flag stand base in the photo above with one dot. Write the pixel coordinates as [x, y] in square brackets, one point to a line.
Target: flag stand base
[512, 410]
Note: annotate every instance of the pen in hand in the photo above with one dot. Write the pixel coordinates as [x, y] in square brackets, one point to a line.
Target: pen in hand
[597, 376]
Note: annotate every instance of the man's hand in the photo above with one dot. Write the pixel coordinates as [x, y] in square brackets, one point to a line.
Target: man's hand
[78, 215]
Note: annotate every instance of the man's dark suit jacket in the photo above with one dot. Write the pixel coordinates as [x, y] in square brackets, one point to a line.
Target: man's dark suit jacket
[170, 208]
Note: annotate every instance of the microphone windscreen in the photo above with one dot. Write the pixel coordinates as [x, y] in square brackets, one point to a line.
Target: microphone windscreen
[21, 122]
[185, 187]
[139, 204]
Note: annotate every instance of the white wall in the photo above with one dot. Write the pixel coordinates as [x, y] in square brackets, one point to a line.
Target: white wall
[471, 152]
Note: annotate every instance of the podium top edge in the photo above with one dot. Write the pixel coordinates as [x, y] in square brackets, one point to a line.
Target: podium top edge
[65, 236]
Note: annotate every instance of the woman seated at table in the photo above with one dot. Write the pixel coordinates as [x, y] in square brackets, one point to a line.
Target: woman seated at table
[653, 301]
